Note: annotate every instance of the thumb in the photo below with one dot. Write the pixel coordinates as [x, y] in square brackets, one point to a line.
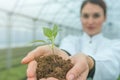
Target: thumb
[74, 72]
[27, 58]
[31, 55]
[40, 51]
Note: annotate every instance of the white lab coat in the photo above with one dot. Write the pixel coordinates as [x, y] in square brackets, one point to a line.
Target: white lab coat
[105, 52]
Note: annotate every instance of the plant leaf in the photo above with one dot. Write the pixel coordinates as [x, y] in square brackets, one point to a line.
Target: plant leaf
[55, 30]
[40, 41]
[47, 32]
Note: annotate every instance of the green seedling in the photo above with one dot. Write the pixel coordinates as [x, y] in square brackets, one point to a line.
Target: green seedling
[50, 34]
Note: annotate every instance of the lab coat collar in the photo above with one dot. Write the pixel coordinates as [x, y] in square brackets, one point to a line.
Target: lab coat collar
[94, 39]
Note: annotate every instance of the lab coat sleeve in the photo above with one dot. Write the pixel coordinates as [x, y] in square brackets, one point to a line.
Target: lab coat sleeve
[107, 60]
[68, 44]
[107, 64]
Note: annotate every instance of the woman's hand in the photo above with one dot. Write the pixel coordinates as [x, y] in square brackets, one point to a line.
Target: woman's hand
[40, 51]
[31, 72]
[82, 65]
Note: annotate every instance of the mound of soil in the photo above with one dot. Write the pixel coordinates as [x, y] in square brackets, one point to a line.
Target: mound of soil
[52, 66]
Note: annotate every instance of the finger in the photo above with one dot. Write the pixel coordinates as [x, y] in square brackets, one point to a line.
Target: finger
[51, 78]
[31, 55]
[43, 79]
[79, 78]
[31, 79]
[84, 75]
[63, 54]
[74, 72]
[31, 70]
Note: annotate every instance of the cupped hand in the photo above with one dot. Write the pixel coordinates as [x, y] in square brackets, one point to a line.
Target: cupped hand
[81, 67]
[40, 51]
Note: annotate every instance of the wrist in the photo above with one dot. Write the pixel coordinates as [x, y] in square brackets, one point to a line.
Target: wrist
[66, 52]
[90, 62]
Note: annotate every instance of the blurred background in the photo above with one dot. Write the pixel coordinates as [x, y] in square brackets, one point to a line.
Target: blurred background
[21, 22]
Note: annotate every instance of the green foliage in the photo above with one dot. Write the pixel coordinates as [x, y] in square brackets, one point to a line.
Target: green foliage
[50, 34]
[14, 73]
[39, 41]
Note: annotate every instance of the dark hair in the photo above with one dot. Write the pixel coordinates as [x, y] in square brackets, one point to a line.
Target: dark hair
[101, 3]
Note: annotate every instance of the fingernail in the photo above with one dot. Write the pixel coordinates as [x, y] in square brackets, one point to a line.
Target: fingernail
[23, 60]
[71, 77]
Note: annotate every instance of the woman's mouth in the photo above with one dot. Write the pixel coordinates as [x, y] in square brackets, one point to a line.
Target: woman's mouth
[91, 28]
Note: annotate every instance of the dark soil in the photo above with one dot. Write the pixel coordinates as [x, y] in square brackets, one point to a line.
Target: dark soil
[52, 66]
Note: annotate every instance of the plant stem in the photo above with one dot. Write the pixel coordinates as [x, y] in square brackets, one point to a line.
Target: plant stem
[52, 41]
[52, 45]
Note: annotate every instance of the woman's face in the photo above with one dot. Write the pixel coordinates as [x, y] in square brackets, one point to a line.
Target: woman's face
[92, 17]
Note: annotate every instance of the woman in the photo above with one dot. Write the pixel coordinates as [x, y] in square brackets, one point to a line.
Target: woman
[92, 54]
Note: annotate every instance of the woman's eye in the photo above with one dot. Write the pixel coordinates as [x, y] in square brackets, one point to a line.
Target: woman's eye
[85, 16]
[96, 15]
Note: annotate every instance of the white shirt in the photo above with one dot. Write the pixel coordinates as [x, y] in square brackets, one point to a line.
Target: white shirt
[105, 52]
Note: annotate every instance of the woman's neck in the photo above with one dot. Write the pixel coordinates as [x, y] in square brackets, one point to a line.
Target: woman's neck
[93, 35]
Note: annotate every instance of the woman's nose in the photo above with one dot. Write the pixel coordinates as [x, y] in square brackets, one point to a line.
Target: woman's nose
[90, 20]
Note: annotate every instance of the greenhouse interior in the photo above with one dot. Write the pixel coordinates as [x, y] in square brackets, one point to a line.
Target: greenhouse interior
[22, 21]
